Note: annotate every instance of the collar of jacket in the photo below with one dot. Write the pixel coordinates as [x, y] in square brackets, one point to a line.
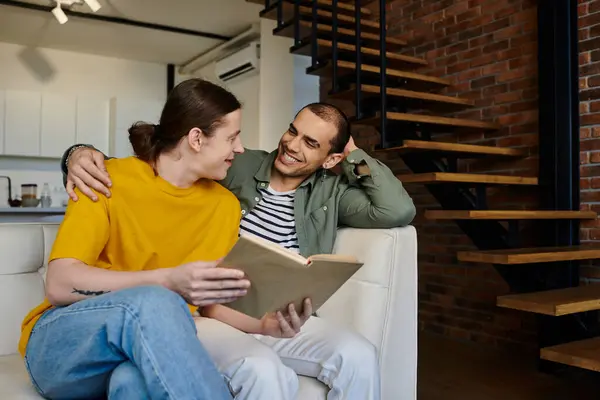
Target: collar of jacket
[264, 172]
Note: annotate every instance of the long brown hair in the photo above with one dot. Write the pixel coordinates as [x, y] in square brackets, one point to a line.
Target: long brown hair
[194, 103]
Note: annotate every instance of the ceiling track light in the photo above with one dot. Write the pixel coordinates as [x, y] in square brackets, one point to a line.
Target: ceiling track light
[59, 13]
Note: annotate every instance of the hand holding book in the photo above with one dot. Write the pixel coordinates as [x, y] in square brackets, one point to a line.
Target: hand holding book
[280, 326]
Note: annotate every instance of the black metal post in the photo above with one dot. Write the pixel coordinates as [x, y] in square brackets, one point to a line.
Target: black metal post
[296, 22]
[334, 76]
[279, 13]
[170, 77]
[358, 93]
[267, 3]
[313, 35]
[558, 74]
[382, 74]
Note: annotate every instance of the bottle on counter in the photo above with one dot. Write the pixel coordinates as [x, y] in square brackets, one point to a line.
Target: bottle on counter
[45, 197]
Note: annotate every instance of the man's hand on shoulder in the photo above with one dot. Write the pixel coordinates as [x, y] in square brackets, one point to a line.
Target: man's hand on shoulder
[350, 147]
[86, 171]
[360, 169]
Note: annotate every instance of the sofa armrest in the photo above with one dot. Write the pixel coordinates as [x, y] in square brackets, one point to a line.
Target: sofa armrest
[380, 302]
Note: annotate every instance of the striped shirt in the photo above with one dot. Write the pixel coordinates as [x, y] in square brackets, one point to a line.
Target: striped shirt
[273, 219]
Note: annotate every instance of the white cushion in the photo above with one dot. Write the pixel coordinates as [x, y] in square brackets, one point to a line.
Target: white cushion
[14, 380]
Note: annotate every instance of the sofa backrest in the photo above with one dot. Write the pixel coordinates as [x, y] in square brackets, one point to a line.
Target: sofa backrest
[24, 250]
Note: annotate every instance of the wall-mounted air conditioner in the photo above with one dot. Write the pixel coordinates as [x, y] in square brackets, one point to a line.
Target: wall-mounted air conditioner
[243, 63]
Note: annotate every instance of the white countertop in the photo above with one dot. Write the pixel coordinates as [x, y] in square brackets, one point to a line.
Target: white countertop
[32, 210]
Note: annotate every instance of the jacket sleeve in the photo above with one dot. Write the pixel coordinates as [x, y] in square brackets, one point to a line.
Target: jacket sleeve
[63, 160]
[376, 200]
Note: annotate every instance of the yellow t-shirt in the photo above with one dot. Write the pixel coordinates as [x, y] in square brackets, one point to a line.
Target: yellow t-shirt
[146, 224]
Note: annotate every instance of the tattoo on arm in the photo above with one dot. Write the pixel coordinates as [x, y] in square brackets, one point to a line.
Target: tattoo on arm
[90, 292]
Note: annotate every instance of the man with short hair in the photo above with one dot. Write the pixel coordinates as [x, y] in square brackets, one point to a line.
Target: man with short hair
[288, 197]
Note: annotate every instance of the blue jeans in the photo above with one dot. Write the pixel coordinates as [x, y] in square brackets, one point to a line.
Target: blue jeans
[137, 343]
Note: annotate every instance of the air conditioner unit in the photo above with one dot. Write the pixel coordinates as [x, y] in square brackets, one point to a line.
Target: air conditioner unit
[243, 63]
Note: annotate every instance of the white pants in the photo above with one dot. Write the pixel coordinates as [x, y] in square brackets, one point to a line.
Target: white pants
[262, 367]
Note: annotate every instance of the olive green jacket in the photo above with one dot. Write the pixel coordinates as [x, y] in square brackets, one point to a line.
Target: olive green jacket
[325, 201]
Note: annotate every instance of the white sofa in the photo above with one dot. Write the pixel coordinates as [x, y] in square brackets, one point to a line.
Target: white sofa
[380, 302]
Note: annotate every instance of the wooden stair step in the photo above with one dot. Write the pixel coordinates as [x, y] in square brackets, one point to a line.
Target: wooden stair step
[325, 47]
[581, 354]
[414, 80]
[410, 98]
[508, 214]
[288, 8]
[452, 177]
[344, 34]
[458, 150]
[531, 255]
[554, 302]
[432, 122]
[322, 16]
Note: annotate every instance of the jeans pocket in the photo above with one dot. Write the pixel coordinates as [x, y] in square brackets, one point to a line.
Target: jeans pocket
[31, 378]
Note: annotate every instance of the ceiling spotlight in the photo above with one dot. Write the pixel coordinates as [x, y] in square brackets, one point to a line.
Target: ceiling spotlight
[93, 4]
[60, 15]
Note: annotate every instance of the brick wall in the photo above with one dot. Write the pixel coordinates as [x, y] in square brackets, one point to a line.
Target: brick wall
[589, 84]
[487, 49]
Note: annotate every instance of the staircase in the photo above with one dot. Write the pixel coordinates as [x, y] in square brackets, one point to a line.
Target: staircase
[408, 111]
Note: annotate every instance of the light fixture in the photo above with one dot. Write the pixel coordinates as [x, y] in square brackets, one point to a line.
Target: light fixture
[60, 15]
[93, 4]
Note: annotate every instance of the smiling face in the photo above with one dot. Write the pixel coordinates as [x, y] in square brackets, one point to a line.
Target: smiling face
[306, 146]
[213, 155]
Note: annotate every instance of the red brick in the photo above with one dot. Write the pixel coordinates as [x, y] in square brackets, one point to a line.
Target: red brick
[497, 25]
[585, 133]
[590, 119]
[481, 40]
[467, 15]
[512, 75]
[584, 108]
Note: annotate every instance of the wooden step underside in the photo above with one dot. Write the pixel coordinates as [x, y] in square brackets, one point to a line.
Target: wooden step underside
[370, 39]
[306, 12]
[581, 354]
[433, 123]
[508, 214]
[325, 49]
[531, 255]
[288, 8]
[451, 177]
[414, 80]
[554, 302]
[458, 150]
[410, 98]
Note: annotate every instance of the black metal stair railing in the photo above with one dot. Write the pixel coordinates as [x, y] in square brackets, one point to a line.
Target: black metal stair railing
[382, 74]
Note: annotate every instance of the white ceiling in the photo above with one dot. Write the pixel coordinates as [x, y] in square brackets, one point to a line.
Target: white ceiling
[40, 29]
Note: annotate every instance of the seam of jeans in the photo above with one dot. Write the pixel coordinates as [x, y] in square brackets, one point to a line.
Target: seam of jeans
[33, 381]
[136, 319]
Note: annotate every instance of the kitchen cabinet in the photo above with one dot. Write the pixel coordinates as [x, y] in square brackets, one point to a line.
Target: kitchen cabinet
[93, 122]
[22, 122]
[58, 124]
[124, 113]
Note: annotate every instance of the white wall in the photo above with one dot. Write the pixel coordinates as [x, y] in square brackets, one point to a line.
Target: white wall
[47, 70]
[62, 71]
[306, 87]
[276, 108]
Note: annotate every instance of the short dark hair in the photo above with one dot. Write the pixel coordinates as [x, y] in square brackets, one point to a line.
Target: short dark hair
[332, 114]
[194, 103]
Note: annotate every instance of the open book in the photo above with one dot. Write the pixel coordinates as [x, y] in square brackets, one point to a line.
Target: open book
[279, 276]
